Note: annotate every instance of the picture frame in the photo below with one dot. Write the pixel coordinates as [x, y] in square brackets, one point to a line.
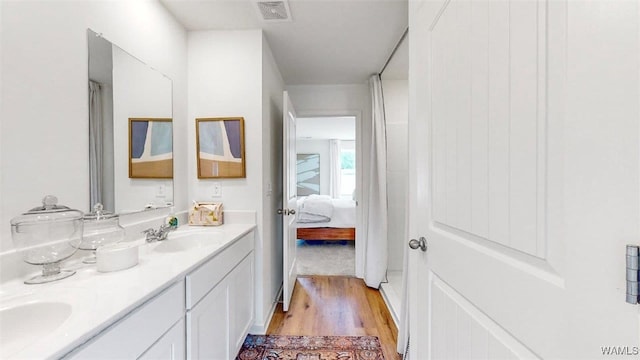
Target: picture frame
[150, 148]
[220, 147]
[308, 174]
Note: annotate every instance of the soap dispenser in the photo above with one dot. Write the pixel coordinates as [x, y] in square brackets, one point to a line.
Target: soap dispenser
[172, 220]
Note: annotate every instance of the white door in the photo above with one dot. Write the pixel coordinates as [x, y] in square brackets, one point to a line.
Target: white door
[524, 137]
[288, 201]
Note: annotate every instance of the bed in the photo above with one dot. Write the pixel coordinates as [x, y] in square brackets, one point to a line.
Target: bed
[340, 225]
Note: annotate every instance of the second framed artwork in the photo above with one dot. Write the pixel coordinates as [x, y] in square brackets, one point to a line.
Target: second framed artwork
[220, 147]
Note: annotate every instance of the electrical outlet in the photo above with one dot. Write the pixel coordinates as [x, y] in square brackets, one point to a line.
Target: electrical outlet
[217, 190]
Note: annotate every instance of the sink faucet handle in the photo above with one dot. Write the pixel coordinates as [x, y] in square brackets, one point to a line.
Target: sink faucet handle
[149, 231]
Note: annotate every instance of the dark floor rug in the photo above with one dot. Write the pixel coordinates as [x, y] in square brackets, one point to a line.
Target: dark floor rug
[281, 347]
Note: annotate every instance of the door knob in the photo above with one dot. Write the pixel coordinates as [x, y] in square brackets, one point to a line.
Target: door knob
[292, 212]
[418, 244]
[280, 211]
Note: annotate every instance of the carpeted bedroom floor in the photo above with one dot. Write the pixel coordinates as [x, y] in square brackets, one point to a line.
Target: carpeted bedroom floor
[326, 258]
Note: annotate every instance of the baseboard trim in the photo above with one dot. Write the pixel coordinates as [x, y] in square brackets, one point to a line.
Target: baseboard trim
[261, 329]
[387, 302]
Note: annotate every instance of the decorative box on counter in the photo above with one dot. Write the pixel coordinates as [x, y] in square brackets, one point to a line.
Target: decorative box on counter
[206, 213]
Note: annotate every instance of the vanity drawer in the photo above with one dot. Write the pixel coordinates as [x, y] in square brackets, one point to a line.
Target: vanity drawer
[200, 281]
[137, 331]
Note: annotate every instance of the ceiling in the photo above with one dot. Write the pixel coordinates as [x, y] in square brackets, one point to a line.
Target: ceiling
[398, 66]
[321, 128]
[327, 41]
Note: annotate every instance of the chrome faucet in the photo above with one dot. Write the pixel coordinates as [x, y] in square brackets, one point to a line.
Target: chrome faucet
[161, 234]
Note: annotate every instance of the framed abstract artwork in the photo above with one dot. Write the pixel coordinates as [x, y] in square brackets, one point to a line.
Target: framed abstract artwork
[150, 148]
[308, 174]
[220, 148]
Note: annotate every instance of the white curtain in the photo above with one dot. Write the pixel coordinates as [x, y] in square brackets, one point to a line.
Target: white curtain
[376, 226]
[335, 173]
[95, 142]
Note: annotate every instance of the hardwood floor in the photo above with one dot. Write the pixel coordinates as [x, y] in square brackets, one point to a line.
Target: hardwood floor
[336, 305]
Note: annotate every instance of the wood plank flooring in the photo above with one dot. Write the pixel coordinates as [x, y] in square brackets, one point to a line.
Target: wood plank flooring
[336, 305]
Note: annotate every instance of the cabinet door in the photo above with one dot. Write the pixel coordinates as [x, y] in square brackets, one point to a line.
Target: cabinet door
[171, 346]
[208, 326]
[240, 303]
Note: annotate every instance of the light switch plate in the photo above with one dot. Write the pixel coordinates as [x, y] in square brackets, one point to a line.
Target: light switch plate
[160, 191]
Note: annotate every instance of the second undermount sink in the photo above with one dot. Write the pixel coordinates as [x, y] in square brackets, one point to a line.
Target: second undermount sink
[189, 240]
[22, 324]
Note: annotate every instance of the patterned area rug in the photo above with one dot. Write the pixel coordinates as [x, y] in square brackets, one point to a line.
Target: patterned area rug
[277, 347]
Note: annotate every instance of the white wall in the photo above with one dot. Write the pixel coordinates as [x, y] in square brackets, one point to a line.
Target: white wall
[322, 148]
[232, 73]
[225, 72]
[396, 107]
[44, 114]
[328, 100]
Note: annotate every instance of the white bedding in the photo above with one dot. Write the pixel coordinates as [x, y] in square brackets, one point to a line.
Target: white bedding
[315, 209]
[343, 216]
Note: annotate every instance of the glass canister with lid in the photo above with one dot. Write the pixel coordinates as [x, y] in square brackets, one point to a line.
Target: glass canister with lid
[100, 228]
[47, 235]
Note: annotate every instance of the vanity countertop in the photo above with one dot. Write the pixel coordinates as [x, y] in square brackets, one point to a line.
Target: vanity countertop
[95, 300]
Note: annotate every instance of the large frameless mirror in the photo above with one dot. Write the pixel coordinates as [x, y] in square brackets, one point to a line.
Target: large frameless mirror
[130, 130]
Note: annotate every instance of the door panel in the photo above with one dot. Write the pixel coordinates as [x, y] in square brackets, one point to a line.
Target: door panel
[486, 75]
[467, 333]
[208, 326]
[241, 303]
[506, 168]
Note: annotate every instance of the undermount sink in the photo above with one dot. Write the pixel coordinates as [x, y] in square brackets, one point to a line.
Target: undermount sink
[23, 324]
[188, 240]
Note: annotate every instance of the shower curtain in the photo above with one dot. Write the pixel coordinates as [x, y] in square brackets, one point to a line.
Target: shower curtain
[95, 142]
[376, 225]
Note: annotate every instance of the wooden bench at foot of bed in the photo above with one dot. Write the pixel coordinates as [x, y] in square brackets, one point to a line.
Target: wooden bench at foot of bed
[327, 233]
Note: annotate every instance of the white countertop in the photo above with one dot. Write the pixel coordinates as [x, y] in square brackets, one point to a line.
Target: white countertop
[99, 299]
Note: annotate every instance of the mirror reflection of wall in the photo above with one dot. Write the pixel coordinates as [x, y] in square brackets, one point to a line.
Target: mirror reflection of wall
[332, 139]
[122, 87]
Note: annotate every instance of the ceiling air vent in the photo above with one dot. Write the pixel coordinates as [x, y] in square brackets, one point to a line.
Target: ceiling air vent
[274, 10]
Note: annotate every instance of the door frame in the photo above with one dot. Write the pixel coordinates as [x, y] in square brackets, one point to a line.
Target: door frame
[361, 180]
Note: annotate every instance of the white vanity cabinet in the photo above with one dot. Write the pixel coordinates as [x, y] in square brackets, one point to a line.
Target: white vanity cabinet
[205, 315]
[155, 330]
[220, 301]
[171, 345]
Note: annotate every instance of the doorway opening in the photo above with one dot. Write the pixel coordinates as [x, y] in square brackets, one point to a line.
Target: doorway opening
[326, 195]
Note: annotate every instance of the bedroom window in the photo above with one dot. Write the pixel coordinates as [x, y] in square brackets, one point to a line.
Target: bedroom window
[347, 173]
